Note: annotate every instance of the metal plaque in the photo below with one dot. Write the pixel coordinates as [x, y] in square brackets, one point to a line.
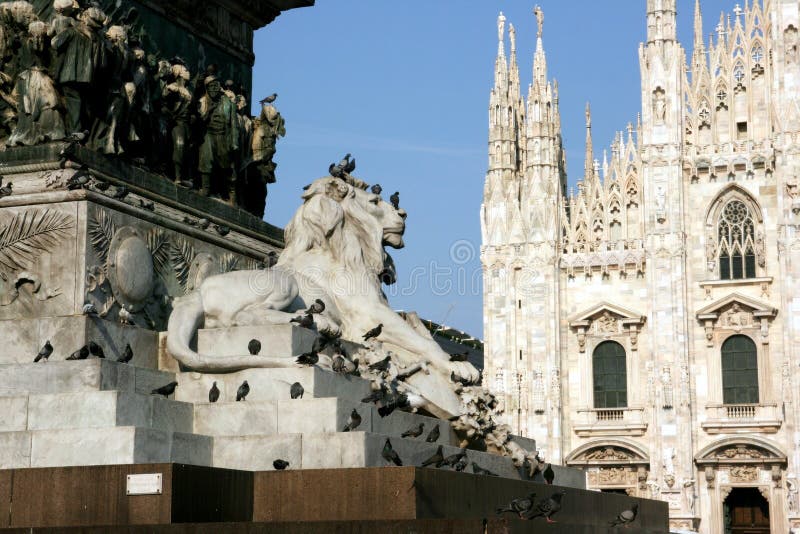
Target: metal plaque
[146, 484]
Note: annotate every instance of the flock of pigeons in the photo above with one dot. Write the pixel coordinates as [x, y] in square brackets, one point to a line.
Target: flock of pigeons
[83, 353]
[529, 508]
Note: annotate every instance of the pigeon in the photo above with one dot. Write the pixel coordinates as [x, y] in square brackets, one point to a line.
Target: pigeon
[319, 344]
[381, 366]
[89, 309]
[80, 179]
[272, 258]
[127, 354]
[414, 432]
[353, 421]
[296, 391]
[317, 307]
[96, 350]
[520, 506]
[376, 189]
[167, 390]
[338, 365]
[548, 507]
[375, 332]
[375, 396]
[6, 190]
[306, 321]
[395, 200]
[242, 392]
[433, 435]
[203, 223]
[101, 185]
[125, 317]
[121, 192]
[45, 353]
[453, 459]
[80, 354]
[478, 470]
[626, 517]
[549, 474]
[461, 464]
[147, 204]
[397, 401]
[280, 465]
[436, 460]
[254, 347]
[213, 393]
[78, 137]
[460, 357]
[350, 166]
[390, 455]
[222, 229]
[308, 358]
[270, 99]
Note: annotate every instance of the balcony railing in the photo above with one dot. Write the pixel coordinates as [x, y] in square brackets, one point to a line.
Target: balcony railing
[742, 417]
[610, 421]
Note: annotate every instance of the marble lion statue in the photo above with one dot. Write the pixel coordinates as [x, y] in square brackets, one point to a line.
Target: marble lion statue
[334, 252]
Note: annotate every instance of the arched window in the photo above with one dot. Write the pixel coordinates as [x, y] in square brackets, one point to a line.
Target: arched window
[739, 371]
[735, 231]
[610, 376]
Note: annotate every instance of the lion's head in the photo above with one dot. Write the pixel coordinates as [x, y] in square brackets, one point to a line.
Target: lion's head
[346, 222]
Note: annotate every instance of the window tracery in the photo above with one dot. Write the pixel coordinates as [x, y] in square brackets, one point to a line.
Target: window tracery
[736, 242]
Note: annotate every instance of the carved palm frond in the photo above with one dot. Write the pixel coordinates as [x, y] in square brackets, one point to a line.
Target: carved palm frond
[101, 232]
[160, 249]
[28, 235]
[228, 262]
[182, 256]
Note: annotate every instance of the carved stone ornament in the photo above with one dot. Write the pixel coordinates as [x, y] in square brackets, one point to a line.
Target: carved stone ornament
[744, 473]
[203, 266]
[605, 320]
[736, 313]
[130, 269]
[608, 454]
[24, 238]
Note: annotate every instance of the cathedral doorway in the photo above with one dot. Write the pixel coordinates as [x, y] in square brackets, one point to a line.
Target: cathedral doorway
[746, 511]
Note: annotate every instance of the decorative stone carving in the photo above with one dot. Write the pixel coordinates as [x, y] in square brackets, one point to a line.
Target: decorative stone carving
[129, 269]
[24, 238]
[605, 320]
[607, 454]
[612, 475]
[606, 323]
[740, 452]
[736, 313]
[736, 318]
[666, 388]
[743, 473]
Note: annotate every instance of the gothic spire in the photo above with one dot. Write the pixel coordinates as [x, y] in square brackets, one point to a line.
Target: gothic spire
[661, 20]
[588, 169]
[501, 34]
[699, 52]
[539, 60]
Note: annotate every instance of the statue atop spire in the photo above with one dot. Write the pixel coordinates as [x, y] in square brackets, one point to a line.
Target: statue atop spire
[589, 164]
[501, 27]
[512, 35]
[537, 11]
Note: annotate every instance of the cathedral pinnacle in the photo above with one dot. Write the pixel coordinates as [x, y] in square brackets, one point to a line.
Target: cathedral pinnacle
[589, 165]
[501, 33]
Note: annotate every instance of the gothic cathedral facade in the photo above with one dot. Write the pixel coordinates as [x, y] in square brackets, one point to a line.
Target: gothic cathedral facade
[647, 327]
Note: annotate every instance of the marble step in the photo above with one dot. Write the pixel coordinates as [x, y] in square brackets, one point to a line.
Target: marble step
[78, 376]
[272, 384]
[94, 409]
[307, 416]
[354, 450]
[101, 446]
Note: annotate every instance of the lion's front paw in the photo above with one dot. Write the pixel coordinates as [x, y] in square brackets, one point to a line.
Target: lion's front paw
[465, 371]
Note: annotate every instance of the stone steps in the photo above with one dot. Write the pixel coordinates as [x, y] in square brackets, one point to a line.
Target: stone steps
[94, 409]
[78, 376]
[271, 384]
[101, 446]
[307, 416]
[355, 449]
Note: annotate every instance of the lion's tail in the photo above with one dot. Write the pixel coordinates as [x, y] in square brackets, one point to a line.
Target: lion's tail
[187, 317]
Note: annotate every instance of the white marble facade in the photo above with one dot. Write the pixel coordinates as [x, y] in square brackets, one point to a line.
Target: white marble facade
[711, 167]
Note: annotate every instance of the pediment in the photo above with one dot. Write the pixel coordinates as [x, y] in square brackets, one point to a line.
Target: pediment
[736, 303]
[614, 452]
[741, 451]
[606, 311]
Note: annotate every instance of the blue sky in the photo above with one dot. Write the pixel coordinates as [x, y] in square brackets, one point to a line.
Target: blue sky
[404, 86]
